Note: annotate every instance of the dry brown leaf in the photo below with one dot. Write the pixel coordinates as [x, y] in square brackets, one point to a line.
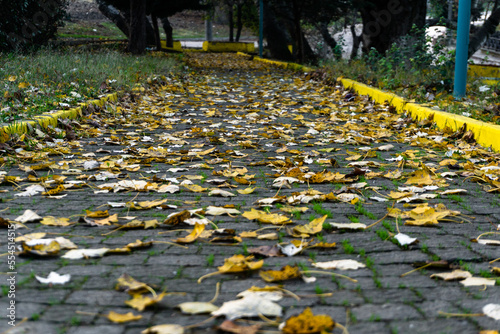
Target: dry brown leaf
[231, 327]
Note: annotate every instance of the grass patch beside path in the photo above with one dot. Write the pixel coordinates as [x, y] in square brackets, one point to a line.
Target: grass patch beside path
[57, 79]
[432, 87]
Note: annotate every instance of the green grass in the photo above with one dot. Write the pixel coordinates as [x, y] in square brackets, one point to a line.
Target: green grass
[37, 83]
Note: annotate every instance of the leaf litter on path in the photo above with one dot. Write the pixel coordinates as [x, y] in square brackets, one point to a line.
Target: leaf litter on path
[243, 149]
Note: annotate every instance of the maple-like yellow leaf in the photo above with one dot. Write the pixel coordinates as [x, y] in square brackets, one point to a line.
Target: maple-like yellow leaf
[107, 221]
[146, 205]
[140, 302]
[121, 318]
[314, 227]
[308, 323]
[268, 218]
[421, 178]
[239, 263]
[424, 215]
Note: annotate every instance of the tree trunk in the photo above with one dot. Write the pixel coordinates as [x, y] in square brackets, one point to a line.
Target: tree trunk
[488, 28]
[239, 21]
[231, 21]
[137, 39]
[356, 41]
[157, 32]
[299, 40]
[384, 22]
[329, 40]
[276, 37]
[168, 32]
[115, 16]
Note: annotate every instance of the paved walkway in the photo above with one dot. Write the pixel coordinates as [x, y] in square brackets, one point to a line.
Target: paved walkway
[234, 124]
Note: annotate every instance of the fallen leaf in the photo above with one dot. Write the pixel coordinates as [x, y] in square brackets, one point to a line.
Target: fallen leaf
[122, 318]
[54, 278]
[308, 323]
[28, 217]
[269, 251]
[239, 263]
[197, 307]
[250, 306]
[164, 329]
[492, 311]
[314, 227]
[267, 218]
[348, 226]
[50, 249]
[339, 264]
[76, 254]
[140, 302]
[404, 239]
[286, 273]
[478, 281]
[453, 276]
[231, 327]
[131, 285]
[53, 221]
[219, 192]
[217, 211]
[197, 231]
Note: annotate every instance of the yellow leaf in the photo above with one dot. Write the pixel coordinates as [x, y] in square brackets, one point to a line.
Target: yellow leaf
[292, 209]
[121, 318]
[286, 273]
[308, 323]
[23, 85]
[139, 244]
[131, 285]
[97, 214]
[52, 221]
[197, 231]
[421, 178]
[50, 249]
[266, 218]
[399, 195]
[140, 302]
[313, 227]
[194, 188]
[12, 78]
[239, 263]
[107, 221]
[246, 191]
[146, 205]
[424, 215]
[54, 191]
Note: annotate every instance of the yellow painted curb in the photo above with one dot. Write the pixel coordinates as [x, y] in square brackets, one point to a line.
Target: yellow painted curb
[282, 64]
[177, 46]
[485, 134]
[228, 47]
[45, 120]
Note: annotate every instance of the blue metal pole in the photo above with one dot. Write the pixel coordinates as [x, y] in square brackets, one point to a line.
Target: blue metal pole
[261, 27]
[461, 57]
